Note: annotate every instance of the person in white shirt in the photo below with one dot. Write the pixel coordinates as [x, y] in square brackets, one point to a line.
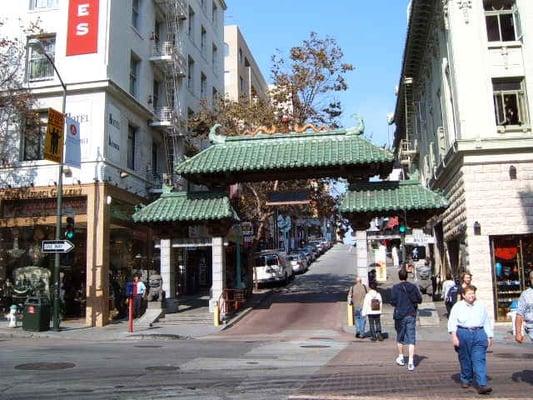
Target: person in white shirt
[524, 313]
[446, 286]
[471, 330]
[372, 308]
[139, 294]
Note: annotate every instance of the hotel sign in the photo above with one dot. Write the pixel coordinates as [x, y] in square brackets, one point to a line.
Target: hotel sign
[82, 30]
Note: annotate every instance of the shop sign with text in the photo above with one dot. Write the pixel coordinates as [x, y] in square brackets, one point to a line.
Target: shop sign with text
[82, 30]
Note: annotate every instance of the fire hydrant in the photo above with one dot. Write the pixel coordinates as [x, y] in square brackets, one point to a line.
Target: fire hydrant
[12, 316]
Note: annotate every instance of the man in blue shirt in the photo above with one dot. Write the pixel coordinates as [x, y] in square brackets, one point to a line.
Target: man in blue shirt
[405, 298]
[471, 330]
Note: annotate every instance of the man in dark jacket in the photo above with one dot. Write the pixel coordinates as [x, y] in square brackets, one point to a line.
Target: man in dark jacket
[405, 298]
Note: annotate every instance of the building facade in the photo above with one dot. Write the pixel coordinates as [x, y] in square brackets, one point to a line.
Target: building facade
[134, 71]
[463, 118]
[242, 77]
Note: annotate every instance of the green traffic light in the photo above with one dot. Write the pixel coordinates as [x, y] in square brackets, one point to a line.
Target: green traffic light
[69, 234]
[402, 229]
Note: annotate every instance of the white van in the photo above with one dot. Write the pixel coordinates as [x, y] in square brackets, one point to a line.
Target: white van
[271, 266]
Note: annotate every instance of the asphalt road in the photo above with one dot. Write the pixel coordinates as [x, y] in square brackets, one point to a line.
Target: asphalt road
[291, 347]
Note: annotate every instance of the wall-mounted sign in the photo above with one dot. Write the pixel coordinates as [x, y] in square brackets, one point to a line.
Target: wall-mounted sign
[113, 121]
[82, 30]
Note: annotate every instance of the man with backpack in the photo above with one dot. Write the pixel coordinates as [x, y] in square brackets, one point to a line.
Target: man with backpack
[405, 298]
[450, 290]
[372, 309]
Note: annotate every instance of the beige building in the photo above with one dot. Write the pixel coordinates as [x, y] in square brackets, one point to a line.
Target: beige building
[242, 76]
[463, 118]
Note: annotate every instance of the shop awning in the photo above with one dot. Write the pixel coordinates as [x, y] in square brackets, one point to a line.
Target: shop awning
[187, 207]
[336, 153]
[392, 198]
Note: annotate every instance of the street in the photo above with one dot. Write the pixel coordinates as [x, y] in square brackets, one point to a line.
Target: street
[295, 345]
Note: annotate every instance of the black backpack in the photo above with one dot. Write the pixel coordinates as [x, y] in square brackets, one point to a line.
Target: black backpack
[451, 296]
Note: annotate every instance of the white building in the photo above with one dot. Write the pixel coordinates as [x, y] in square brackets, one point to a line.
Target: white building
[242, 77]
[463, 120]
[134, 71]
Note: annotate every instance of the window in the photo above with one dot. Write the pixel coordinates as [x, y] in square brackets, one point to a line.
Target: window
[510, 101]
[226, 49]
[40, 4]
[134, 74]
[155, 94]
[214, 95]
[132, 133]
[191, 23]
[38, 65]
[32, 137]
[155, 150]
[502, 20]
[240, 56]
[135, 13]
[241, 84]
[203, 40]
[214, 56]
[214, 13]
[203, 85]
[190, 73]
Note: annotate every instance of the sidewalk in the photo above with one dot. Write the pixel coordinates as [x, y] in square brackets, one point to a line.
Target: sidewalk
[118, 330]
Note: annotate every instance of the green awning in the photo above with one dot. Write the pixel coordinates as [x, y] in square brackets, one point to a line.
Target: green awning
[373, 199]
[337, 153]
[187, 207]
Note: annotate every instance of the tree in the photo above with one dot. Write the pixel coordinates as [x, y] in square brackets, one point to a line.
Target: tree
[16, 106]
[305, 84]
[304, 93]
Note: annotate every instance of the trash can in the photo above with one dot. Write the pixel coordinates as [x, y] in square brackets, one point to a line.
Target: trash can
[36, 316]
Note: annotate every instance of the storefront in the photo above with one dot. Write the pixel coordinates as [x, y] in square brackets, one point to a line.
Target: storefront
[512, 259]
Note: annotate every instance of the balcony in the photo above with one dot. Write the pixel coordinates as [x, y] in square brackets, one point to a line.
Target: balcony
[167, 56]
[408, 151]
[171, 8]
[165, 117]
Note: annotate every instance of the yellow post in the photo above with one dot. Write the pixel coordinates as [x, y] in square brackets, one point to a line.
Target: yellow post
[216, 315]
[349, 313]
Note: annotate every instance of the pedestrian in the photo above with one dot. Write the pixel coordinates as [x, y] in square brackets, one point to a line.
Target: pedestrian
[141, 290]
[524, 312]
[449, 293]
[471, 330]
[357, 294]
[372, 308]
[405, 298]
[466, 280]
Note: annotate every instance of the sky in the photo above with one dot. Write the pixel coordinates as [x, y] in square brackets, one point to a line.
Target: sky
[371, 34]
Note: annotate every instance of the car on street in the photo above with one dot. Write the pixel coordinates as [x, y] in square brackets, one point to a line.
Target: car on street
[298, 262]
[271, 266]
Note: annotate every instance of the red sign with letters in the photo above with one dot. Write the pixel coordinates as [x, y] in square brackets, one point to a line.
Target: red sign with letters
[82, 30]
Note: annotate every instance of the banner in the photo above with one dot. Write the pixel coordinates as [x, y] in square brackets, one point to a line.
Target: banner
[72, 144]
[53, 140]
[82, 29]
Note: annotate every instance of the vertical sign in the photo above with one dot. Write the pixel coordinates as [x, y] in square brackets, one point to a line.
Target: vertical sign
[72, 144]
[82, 30]
[53, 141]
[114, 118]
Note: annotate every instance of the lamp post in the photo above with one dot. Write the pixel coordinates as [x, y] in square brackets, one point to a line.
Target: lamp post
[37, 45]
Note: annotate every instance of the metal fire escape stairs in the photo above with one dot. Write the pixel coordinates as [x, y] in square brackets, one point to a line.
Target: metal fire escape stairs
[168, 57]
[408, 145]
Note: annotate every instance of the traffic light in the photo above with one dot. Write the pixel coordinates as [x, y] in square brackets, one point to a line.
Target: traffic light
[402, 228]
[70, 231]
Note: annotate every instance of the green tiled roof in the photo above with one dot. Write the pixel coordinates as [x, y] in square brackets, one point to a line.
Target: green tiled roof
[245, 154]
[387, 196]
[187, 207]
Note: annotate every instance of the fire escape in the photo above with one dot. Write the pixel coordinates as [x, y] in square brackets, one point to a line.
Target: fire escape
[408, 145]
[167, 56]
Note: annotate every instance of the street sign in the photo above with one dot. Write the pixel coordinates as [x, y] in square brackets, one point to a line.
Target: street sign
[53, 140]
[56, 246]
[72, 144]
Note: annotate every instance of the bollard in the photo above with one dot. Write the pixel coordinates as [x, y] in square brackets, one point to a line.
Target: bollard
[349, 313]
[216, 315]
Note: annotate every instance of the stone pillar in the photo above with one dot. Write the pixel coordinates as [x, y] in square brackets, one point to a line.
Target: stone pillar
[218, 271]
[97, 280]
[361, 255]
[168, 274]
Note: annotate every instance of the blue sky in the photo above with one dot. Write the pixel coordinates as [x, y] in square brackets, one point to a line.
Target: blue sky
[371, 34]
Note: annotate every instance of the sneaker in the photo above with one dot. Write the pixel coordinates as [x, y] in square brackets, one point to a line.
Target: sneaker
[373, 339]
[358, 335]
[400, 361]
[410, 367]
[380, 337]
[484, 390]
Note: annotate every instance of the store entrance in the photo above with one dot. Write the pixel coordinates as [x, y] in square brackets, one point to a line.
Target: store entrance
[512, 259]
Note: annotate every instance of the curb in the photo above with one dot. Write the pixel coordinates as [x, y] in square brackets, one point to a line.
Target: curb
[243, 313]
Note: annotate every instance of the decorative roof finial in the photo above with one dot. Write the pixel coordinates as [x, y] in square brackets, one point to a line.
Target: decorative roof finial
[359, 128]
[214, 137]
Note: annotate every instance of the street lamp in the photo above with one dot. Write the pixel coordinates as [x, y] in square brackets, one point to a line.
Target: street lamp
[37, 45]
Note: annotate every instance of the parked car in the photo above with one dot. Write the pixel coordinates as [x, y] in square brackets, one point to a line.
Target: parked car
[298, 262]
[313, 250]
[308, 255]
[272, 266]
[319, 246]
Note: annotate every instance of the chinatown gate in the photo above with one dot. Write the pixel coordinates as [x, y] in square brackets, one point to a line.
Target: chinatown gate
[341, 153]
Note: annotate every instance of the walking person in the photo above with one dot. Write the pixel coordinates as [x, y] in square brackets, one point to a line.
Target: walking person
[141, 290]
[524, 312]
[372, 308]
[471, 330]
[466, 280]
[449, 293]
[357, 294]
[405, 298]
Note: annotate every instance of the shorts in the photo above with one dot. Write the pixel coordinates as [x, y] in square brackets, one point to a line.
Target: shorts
[405, 330]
